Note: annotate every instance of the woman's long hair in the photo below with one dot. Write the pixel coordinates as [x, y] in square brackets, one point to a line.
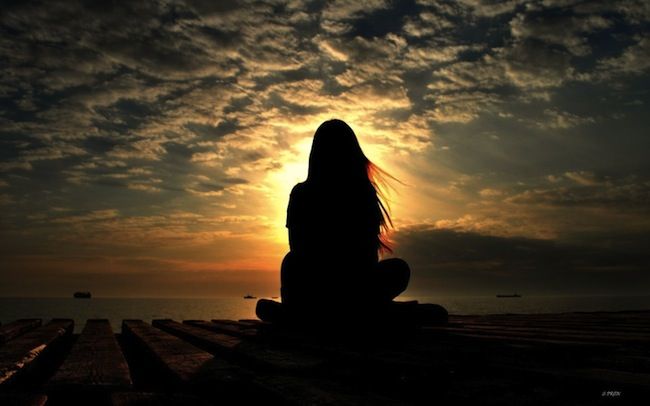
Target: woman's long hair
[336, 159]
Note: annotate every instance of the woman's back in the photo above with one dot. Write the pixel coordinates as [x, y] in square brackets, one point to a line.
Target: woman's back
[334, 233]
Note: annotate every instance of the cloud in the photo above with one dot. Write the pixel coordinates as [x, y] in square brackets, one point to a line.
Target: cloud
[531, 64]
[446, 260]
[583, 178]
[426, 24]
[144, 187]
[505, 118]
[6, 199]
[95, 215]
[490, 193]
[569, 31]
[484, 8]
[562, 120]
[635, 59]
[342, 10]
[586, 189]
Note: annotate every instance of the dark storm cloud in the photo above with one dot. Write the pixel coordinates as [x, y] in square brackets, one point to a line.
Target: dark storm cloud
[210, 132]
[584, 189]
[451, 259]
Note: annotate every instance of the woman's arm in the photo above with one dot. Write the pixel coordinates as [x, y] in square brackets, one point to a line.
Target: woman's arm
[295, 220]
[296, 239]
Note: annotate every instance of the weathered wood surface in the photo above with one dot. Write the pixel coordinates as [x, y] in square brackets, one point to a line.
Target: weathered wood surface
[606, 329]
[214, 340]
[16, 328]
[584, 352]
[156, 399]
[236, 348]
[21, 352]
[22, 399]
[231, 327]
[615, 321]
[197, 369]
[561, 355]
[95, 362]
[558, 333]
[281, 376]
[564, 359]
[184, 361]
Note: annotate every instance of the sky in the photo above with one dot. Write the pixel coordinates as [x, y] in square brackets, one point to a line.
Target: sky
[148, 148]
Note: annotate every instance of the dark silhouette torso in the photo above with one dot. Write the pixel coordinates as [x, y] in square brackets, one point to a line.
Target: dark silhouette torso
[333, 235]
[335, 219]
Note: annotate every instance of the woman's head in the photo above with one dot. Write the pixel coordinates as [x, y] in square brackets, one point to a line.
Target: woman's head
[337, 160]
[336, 155]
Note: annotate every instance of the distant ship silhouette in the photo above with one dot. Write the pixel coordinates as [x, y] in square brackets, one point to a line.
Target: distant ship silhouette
[509, 295]
[81, 295]
[250, 297]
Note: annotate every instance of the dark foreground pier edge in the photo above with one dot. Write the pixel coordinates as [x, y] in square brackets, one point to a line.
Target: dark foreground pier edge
[502, 359]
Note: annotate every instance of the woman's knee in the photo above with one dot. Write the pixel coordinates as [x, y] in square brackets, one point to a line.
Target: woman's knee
[395, 274]
[397, 267]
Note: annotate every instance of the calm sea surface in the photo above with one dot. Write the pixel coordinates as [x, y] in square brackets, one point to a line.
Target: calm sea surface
[116, 309]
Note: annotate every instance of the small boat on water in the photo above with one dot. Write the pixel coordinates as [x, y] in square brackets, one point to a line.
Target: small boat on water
[81, 295]
[250, 297]
[509, 295]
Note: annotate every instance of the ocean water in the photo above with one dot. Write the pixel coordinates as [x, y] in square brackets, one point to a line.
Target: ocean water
[118, 309]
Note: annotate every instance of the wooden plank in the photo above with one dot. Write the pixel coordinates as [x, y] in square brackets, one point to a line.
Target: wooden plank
[595, 329]
[231, 327]
[185, 362]
[253, 322]
[225, 382]
[513, 339]
[538, 332]
[22, 399]
[559, 329]
[16, 328]
[159, 399]
[629, 324]
[282, 338]
[95, 363]
[238, 349]
[216, 327]
[227, 321]
[21, 352]
[622, 361]
[214, 340]
[597, 314]
[587, 318]
[342, 360]
[289, 390]
[595, 326]
[613, 378]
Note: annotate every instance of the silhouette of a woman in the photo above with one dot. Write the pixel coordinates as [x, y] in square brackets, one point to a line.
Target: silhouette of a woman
[337, 226]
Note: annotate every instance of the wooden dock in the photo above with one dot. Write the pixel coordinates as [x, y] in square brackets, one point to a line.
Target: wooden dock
[506, 359]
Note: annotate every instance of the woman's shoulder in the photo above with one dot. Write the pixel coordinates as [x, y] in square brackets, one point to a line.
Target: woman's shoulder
[300, 189]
